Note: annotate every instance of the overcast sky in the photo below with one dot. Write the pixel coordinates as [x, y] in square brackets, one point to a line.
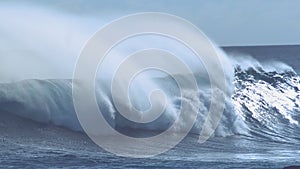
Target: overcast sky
[227, 22]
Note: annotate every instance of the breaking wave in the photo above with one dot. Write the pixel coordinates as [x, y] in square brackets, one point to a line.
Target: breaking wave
[265, 103]
[261, 99]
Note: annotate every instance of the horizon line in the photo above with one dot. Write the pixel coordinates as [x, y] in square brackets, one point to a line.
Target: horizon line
[257, 45]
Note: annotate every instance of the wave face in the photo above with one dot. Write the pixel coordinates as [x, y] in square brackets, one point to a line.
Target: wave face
[265, 103]
[46, 101]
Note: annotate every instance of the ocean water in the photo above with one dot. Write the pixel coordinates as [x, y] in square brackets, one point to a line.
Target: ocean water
[258, 129]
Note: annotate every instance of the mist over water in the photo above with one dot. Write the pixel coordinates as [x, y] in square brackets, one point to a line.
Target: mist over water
[41, 43]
